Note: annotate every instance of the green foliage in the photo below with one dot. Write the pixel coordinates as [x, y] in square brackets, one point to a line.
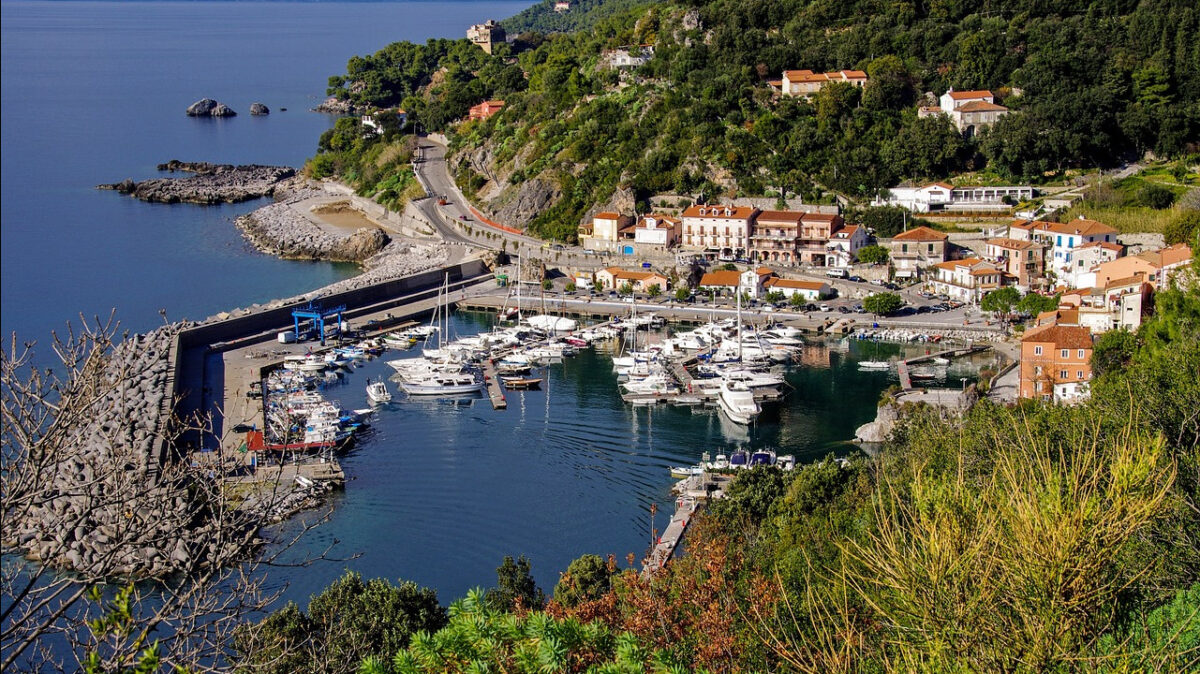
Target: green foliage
[547, 284]
[1001, 300]
[882, 304]
[729, 266]
[776, 296]
[348, 621]
[749, 498]
[1166, 639]
[1033, 303]
[587, 578]
[873, 254]
[1112, 351]
[515, 587]
[118, 637]
[888, 221]
[654, 291]
[625, 288]
[583, 14]
[1156, 196]
[682, 293]
[1184, 229]
[797, 300]
[571, 287]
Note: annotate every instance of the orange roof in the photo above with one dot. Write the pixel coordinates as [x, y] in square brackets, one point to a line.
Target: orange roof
[985, 271]
[1136, 279]
[964, 95]
[721, 278]
[846, 231]
[982, 106]
[618, 273]
[951, 264]
[764, 271]
[661, 219]
[945, 186]
[827, 217]
[792, 283]
[1080, 226]
[781, 217]
[719, 211]
[1061, 336]
[810, 76]
[1106, 245]
[1015, 244]
[1168, 256]
[607, 215]
[921, 233]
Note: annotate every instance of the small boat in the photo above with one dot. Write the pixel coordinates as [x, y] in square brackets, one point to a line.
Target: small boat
[377, 392]
[683, 472]
[521, 383]
[939, 361]
[874, 365]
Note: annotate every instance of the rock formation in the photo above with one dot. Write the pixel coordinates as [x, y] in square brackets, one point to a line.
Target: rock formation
[279, 229]
[207, 107]
[259, 109]
[210, 184]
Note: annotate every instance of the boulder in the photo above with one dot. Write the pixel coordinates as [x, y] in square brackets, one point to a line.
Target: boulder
[223, 110]
[201, 108]
[259, 109]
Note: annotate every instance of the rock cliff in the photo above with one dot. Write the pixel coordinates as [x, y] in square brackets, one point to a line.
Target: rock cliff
[259, 109]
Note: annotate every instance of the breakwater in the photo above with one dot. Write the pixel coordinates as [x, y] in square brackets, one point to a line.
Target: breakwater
[281, 229]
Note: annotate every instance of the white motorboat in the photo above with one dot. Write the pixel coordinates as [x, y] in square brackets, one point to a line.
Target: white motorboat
[553, 323]
[874, 365]
[306, 363]
[444, 383]
[377, 392]
[738, 403]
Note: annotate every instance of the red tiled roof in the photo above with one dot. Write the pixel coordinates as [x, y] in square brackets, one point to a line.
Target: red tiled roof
[1061, 336]
[964, 95]
[921, 233]
[607, 215]
[718, 211]
[1015, 244]
[781, 217]
[982, 106]
[721, 278]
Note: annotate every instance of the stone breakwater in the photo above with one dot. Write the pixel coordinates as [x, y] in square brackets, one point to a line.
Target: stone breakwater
[209, 184]
[103, 501]
[279, 229]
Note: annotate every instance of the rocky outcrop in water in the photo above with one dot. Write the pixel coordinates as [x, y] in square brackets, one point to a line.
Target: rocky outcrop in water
[207, 107]
[209, 184]
[335, 106]
[259, 109]
[279, 229]
[880, 429]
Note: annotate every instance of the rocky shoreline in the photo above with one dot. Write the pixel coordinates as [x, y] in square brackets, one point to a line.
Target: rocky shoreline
[278, 229]
[209, 184]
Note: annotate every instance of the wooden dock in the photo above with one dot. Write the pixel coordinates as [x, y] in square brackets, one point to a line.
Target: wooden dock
[664, 548]
[495, 388]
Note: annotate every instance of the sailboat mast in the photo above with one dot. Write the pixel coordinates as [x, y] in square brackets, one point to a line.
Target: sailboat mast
[739, 318]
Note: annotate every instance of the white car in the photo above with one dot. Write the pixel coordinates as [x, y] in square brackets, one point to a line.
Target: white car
[826, 307]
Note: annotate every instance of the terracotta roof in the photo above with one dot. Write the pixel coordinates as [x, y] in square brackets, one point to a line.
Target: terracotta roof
[792, 283]
[834, 76]
[1080, 226]
[764, 271]
[1061, 336]
[921, 233]
[951, 264]
[719, 211]
[1136, 279]
[1016, 244]
[661, 221]
[826, 217]
[721, 278]
[1106, 245]
[982, 106]
[607, 215]
[632, 275]
[985, 271]
[1170, 255]
[846, 231]
[781, 217]
[964, 95]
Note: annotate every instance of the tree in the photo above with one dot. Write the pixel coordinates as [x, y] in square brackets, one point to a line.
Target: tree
[348, 621]
[797, 300]
[654, 291]
[586, 579]
[776, 296]
[1113, 351]
[571, 287]
[1155, 196]
[882, 304]
[682, 293]
[93, 486]
[750, 497]
[625, 289]
[515, 587]
[1001, 300]
[873, 254]
[729, 266]
[1033, 303]
[1184, 229]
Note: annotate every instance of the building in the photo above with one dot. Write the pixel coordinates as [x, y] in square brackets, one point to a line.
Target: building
[793, 237]
[1156, 266]
[630, 56]
[1056, 362]
[1122, 303]
[1168, 260]
[658, 230]
[806, 82]
[486, 35]
[723, 231]
[1023, 260]
[811, 291]
[968, 280]
[562, 6]
[607, 225]
[373, 122]
[753, 281]
[1062, 239]
[721, 282]
[844, 245]
[936, 197]
[640, 280]
[971, 111]
[917, 248]
[485, 109]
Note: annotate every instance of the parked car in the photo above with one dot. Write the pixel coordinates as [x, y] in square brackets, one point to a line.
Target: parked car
[810, 307]
[826, 307]
[857, 279]
[844, 309]
[859, 310]
[924, 309]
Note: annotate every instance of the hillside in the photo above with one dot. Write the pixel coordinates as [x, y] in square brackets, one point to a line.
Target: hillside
[1090, 83]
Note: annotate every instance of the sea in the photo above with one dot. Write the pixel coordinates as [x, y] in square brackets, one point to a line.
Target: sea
[438, 492]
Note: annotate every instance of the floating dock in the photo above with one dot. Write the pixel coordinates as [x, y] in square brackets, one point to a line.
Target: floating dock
[495, 388]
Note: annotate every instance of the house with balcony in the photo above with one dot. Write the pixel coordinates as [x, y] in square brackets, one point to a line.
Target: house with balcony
[971, 111]
[1023, 260]
[844, 244]
[1063, 241]
[1056, 362]
[968, 280]
[936, 197]
[1122, 303]
[916, 249]
[775, 235]
[607, 225]
[721, 231]
[658, 230]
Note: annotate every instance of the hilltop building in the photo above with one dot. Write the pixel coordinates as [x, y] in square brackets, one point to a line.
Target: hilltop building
[485, 109]
[971, 111]
[936, 197]
[806, 82]
[486, 35]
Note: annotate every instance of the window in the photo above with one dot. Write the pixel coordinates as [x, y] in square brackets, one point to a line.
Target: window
[1063, 374]
[1037, 370]
[931, 248]
[1065, 353]
[1037, 386]
[1037, 350]
[1059, 241]
[1081, 353]
[1079, 374]
[904, 248]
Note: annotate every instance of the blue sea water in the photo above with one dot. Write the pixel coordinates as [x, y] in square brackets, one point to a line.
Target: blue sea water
[95, 92]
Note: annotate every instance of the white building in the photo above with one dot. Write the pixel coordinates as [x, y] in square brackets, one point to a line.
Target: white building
[945, 197]
[631, 56]
[809, 290]
[1065, 242]
[844, 245]
[723, 230]
[971, 111]
[658, 230]
[807, 83]
[967, 280]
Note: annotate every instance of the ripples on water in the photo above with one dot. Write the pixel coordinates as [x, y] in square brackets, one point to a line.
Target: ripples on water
[440, 490]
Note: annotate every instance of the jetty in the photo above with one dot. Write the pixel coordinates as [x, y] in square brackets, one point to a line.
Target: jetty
[692, 493]
[905, 374]
[495, 388]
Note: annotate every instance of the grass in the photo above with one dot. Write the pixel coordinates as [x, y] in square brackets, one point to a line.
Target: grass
[1125, 219]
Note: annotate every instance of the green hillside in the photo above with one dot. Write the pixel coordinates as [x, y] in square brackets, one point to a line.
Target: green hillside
[1091, 83]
